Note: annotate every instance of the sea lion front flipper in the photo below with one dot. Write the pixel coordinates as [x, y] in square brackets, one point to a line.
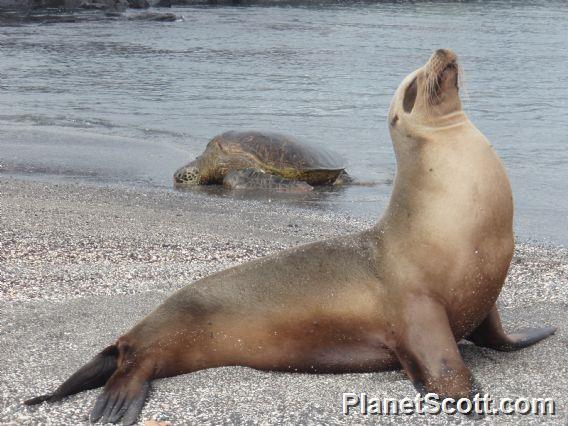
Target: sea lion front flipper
[429, 354]
[92, 375]
[258, 179]
[490, 334]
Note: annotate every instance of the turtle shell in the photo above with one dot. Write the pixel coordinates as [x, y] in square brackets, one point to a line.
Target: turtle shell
[277, 154]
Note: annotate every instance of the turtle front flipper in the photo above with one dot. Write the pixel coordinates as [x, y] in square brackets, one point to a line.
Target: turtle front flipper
[257, 179]
[343, 179]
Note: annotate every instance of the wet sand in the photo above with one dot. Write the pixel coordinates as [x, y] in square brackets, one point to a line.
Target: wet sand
[79, 265]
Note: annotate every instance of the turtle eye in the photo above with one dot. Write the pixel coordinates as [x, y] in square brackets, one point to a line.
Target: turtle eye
[410, 96]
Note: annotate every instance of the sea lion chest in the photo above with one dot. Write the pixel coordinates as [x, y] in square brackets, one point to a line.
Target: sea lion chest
[450, 219]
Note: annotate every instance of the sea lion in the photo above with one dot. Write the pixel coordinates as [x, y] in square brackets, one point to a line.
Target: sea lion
[397, 295]
[262, 160]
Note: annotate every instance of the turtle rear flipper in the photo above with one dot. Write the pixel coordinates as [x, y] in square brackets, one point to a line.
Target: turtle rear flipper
[257, 179]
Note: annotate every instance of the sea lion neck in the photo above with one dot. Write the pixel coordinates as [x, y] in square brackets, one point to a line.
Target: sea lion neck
[441, 122]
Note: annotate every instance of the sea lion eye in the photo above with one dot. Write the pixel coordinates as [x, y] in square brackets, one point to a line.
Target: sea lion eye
[410, 96]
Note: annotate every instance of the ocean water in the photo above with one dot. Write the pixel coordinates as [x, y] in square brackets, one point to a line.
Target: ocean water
[127, 102]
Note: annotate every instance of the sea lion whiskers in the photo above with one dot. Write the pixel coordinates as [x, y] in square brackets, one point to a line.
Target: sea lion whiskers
[435, 71]
[430, 93]
[462, 85]
[431, 82]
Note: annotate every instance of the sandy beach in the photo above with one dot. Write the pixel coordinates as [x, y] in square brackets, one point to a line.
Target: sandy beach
[79, 265]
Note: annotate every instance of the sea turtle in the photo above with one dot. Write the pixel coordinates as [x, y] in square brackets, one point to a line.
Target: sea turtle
[262, 160]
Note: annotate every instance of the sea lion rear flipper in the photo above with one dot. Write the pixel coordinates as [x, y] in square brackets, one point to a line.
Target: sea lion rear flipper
[429, 354]
[124, 402]
[92, 375]
[124, 394]
[490, 334]
[257, 179]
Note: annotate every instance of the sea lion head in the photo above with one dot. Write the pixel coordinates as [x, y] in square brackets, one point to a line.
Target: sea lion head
[188, 175]
[427, 98]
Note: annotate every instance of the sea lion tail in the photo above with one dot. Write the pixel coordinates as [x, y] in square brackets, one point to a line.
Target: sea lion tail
[92, 375]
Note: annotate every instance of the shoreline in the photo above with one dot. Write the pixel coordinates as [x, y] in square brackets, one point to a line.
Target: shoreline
[80, 264]
[58, 154]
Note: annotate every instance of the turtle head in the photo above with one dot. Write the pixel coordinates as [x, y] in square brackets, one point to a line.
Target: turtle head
[187, 176]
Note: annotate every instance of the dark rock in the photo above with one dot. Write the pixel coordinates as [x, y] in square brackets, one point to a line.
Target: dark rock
[52, 19]
[116, 5]
[162, 3]
[73, 4]
[7, 5]
[40, 4]
[138, 4]
[93, 5]
[153, 16]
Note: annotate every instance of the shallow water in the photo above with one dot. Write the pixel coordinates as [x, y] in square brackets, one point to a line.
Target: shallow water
[127, 102]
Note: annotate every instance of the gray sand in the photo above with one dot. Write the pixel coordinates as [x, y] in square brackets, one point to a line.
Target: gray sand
[79, 265]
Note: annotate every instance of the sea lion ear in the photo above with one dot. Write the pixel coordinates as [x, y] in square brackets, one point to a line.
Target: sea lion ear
[410, 96]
